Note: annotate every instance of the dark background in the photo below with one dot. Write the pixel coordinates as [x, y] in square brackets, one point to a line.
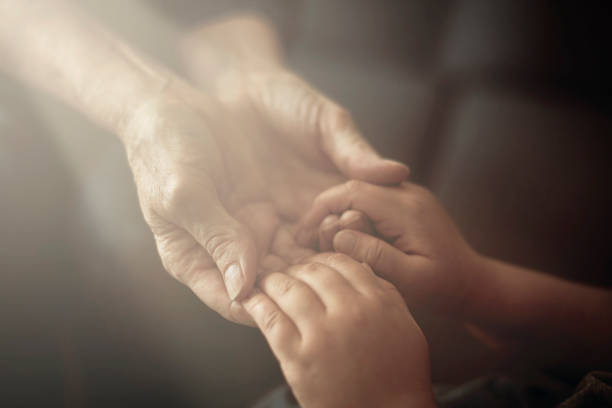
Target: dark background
[502, 108]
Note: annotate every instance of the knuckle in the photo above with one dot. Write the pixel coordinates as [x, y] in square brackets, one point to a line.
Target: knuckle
[285, 286]
[312, 268]
[374, 253]
[271, 321]
[314, 346]
[334, 118]
[176, 193]
[182, 263]
[218, 243]
[326, 259]
[311, 107]
[338, 258]
[354, 186]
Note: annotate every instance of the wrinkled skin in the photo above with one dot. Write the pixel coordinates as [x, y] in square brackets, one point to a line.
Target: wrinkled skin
[216, 179]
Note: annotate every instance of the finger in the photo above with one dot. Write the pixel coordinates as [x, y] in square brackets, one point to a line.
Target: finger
[190, 264]
[295, 298]
[355, 195]
[209, 287]
[360, 278]
[328, 228]
[262, 222]
[278, 329]
[349, 151]
[387, 261]
[197, 209]
[355, 220]
[329, 284]
[350, 219]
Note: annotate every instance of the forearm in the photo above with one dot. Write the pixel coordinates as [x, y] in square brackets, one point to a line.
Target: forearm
[233, 45]
[548, 317]
[53, 46]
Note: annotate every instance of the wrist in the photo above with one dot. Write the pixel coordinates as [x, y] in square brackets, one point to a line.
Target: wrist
[480, 287]
[239, 44]
[496, 302]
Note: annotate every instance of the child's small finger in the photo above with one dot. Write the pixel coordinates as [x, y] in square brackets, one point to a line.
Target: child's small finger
[350, 195]
[326, 282]
[278, 329]
[294, 297]
[328, 228]
[354, 273]
[357, 221]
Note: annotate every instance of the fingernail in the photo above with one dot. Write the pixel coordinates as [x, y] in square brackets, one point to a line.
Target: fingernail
[351, 219]
[330, 226]
[234, 280]
[345, 241]
[396, 163]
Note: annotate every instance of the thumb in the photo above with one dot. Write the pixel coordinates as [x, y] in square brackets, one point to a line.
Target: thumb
[386, 260]
[228, 242]
[342, 142]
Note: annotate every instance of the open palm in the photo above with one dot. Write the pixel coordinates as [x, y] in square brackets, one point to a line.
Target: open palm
[216, 179]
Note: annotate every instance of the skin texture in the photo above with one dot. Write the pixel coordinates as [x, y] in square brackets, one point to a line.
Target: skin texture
[513, 310]
[344, 337]
[215, 176]
[348, 220]
[421, 250]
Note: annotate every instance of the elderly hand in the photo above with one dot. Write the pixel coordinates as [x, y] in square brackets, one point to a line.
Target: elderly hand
[216, 178]
[212, 180]
[239, 60]
[214, 183]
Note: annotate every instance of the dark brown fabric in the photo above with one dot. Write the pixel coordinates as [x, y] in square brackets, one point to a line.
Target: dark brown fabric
[595, 390]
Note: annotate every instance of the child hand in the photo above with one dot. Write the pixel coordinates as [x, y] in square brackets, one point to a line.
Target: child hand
[333, 223]
[344, 337]
[421, 250]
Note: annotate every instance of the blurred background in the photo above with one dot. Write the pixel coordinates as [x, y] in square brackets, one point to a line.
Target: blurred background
[501, 107]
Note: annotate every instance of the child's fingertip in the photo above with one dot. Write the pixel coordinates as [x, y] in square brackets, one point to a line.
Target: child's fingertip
[345, 241]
